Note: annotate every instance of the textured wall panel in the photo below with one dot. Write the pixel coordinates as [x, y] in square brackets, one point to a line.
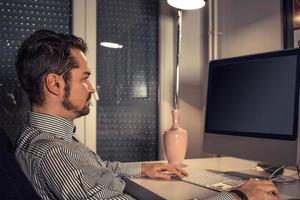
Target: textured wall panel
[18, 19]
[127, 80]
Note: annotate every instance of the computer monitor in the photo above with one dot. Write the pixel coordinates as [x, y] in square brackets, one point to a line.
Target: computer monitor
[252, 107]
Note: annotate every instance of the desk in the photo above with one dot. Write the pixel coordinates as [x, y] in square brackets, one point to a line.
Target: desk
[179, 190]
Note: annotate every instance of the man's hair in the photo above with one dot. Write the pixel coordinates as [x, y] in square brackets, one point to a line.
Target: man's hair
[45, 52]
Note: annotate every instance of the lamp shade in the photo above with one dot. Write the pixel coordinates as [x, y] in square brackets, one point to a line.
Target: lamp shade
[186, 4]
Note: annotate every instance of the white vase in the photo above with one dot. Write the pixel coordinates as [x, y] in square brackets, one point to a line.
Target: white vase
[175, 141]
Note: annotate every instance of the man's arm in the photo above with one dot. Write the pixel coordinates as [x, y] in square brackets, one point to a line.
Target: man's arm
[151, 170]
[251, 190]
[259, 190]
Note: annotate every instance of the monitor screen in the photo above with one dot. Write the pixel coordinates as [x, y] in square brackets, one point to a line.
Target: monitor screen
[256, 98]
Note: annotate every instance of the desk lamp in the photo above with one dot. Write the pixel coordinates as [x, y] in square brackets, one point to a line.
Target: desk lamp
[176, 138]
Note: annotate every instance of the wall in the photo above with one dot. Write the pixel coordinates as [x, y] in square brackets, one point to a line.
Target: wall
[249, 26]
[193, 73]
[166, 63]
[193, 78]
[246, 27]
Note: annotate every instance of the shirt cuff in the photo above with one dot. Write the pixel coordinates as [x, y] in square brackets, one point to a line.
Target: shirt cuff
[131, 169]
[222, 195]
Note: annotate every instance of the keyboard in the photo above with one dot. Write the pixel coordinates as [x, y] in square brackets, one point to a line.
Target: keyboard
[215, 181]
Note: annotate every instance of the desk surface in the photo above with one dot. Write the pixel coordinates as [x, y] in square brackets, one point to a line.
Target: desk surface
[179, 190]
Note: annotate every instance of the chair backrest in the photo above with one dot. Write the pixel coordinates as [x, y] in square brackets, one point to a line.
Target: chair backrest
[13, 183]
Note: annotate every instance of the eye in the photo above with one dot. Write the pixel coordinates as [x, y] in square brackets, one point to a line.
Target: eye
[86, 78]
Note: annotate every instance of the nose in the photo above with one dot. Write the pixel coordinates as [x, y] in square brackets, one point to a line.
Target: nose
[91, 87]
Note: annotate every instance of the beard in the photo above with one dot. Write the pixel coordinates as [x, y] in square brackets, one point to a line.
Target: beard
[71, 107]
[78, 111]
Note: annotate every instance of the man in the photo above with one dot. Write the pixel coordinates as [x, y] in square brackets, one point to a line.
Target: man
[54, 72]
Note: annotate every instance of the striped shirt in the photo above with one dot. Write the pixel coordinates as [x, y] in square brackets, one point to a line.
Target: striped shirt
[60, 167]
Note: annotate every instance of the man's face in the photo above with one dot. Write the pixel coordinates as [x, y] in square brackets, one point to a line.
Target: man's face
[78, 89]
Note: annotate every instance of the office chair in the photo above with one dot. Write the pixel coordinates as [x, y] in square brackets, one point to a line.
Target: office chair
[13, 183]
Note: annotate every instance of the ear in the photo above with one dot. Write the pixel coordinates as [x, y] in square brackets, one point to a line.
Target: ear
[54, 83]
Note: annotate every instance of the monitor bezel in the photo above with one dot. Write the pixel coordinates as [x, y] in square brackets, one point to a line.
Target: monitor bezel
[216, 63]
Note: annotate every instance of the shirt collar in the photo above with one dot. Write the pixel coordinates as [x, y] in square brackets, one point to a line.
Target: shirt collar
[58, 126]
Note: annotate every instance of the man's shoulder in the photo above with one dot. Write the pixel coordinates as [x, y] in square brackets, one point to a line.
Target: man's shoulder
[37, 142]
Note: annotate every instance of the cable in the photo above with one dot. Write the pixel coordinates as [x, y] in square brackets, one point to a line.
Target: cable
[280, 168]
[298, 171]
[285, 179]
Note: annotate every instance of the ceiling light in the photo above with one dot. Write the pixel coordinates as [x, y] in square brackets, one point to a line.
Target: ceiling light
[111, 45]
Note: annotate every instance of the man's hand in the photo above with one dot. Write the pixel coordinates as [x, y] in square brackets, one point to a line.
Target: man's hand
[162, 170]
[260, 190]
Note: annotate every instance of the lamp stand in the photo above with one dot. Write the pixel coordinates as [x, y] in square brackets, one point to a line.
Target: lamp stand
[175, 138]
